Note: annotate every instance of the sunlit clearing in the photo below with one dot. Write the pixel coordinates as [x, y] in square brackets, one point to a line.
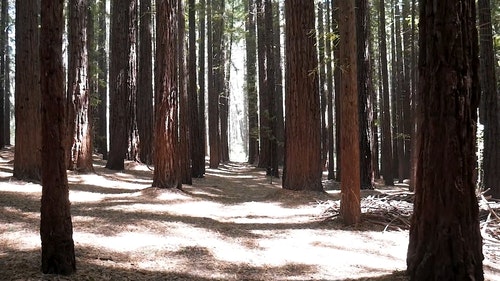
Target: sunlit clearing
[82, 196]
[21, 187]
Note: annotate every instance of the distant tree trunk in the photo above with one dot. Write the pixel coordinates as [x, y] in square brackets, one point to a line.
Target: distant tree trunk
[386, 153]
[132, 133]
[8, 111]
[271, 90]
[27, 155]
[329, 86]
[337, 73]
[280, 126]
[184, 106]
[303, 122]
[3, 72]
[197, 157]
[364, 84]
[224, 99]
[398, 78]
[119, 75]
[101, 138]
[251, 79]
[373, 108]
[322, 81]
[349, 121]
[406, 91]
[213, 94]
[56, 229]
[201, 83]
[145, 84]
[491, 161]
[166, 157]
[79, 128]
[264, 126]
[445, 239]
[414, 100]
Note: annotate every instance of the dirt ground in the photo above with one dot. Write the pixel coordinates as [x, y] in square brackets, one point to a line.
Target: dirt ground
[234, 224]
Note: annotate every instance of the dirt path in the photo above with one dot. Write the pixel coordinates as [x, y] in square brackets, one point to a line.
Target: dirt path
[231, 225]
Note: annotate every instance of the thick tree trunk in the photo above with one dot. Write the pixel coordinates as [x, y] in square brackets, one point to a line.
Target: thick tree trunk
[166, 157]
[56, 229]
[303, 122]
[119, 92]
[145, 84]
[264, 111]
[445, 239]
[489, 99]
[79, 128]
[27, 161]
[351, 179]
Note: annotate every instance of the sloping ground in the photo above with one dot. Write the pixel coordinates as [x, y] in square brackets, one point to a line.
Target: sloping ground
[234, 224]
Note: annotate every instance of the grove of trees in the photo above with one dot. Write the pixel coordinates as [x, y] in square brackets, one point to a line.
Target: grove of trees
[357, 91]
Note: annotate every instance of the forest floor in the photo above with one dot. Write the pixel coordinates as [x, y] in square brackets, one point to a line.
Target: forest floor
[234, 224]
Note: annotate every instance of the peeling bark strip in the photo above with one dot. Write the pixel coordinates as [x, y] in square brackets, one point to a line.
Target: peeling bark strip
[445, 239]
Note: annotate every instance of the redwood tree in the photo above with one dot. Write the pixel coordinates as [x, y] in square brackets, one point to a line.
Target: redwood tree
[489, 102]
[166, 157]
[445, 239]
[251, 79]
[145, 84]
[120, 88]
[27, 156]
[56, 229]
[303, 122]
[78, 96]
[349, 115]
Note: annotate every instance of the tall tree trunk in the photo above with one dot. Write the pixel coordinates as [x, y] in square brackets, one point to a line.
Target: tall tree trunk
[491, 160]
[213, 95]
[349, 121]
[302, 112]
[271, 90]
[386, 153]
[7, 95]
[251, 79]
[264, 157]
[56, 229]
[201, 83]
[119, 76]
[337, 73]
[101, 138]
[364, 83]
[166, 157]
[227, 43]
[133, 134]
[445, 239]
[329, 86]
[394, 99]
[280, 126]
[184, 115]
[79, 125]
[399, 92]
[406, 91]
[145, 84]
[197, 158]
[3, 71]
[322, 80]
[27, 155]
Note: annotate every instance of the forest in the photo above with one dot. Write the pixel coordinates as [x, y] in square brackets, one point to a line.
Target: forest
[249, 140]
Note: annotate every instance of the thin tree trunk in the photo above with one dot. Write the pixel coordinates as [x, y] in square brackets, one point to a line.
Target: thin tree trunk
[337, 73]
[145, 84]
[329, 84]
[101, 138]
[350, 207]
[251, 87]
[3, 72]
[264, 111]
[322, 81]
[201, 83]
[386, 153]
[279, 121]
